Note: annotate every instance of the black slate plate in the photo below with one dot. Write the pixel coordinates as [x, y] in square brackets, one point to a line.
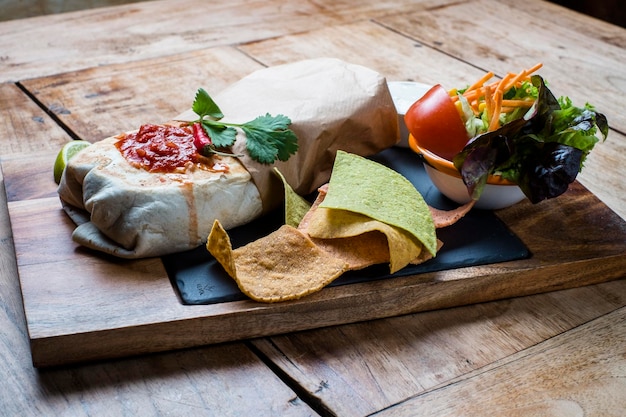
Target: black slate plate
[479, 238]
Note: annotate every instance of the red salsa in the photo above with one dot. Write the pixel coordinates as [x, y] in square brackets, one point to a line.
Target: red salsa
[159, 148]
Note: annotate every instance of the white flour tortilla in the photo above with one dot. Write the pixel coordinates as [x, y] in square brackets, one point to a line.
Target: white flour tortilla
[130, 212]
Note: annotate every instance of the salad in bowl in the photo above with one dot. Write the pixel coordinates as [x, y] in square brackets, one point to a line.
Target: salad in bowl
[512, 131]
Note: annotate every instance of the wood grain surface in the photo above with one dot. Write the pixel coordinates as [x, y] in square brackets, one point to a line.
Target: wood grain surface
[99, 102]
[153, 29]
[25, 127]
[559, 353]
[429, 351]
[577, 365]
[205, 380]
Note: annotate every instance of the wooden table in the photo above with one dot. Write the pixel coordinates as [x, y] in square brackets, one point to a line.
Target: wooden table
[96, 73]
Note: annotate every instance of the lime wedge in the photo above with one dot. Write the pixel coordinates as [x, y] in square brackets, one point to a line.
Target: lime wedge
[65, 154]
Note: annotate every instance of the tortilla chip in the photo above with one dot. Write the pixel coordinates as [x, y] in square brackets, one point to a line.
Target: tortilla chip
[291, 263]
[295, 206]
[357, 252]
[284, 265]
[425, 255]
[402, 247]
[218, 244]
[371, 189]
[445, 218]
[306, 219]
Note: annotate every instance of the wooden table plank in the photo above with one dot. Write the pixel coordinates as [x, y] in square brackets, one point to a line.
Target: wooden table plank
[508, 38]
[25, 127]
[220, 380]
[370, 44]
[427, 350]
[581, 372]
[37, 180]
[579, 22]
[104, 101]
[23, 9]
[157, 28]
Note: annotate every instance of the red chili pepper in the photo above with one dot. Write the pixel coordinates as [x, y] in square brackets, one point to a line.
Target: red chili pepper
[200, 138]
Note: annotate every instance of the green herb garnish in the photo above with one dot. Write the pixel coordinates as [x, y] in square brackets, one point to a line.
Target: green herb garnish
[268, 138]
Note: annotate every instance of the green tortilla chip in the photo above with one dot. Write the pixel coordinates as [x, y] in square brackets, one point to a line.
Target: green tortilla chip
[363, 186]
[295, 206]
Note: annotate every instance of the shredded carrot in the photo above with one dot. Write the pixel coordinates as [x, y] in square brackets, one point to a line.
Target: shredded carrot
[488, 101]
[494, 121]
[523, 76]
[470, 96]
[503, 82]
[510, 80]
[498, 93]
[480, 82]
[517, 103]
[534, 68]
[517, 79]
[490, 96]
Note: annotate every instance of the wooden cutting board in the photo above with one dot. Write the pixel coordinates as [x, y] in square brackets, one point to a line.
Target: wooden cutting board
[83, 306]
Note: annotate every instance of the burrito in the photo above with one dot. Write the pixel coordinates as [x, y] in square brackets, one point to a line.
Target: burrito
[131, 212]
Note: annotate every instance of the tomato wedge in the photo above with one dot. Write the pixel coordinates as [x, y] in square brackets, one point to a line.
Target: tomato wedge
[436, 125]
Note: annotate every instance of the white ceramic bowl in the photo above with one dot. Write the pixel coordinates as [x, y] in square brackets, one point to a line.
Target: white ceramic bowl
[404, 94]
[497, 194]
[493, 197]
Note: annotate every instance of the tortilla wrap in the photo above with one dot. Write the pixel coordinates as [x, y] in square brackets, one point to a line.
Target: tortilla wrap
[132, 213]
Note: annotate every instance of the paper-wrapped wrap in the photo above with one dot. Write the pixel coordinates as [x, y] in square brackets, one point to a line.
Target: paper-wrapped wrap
[131, 213]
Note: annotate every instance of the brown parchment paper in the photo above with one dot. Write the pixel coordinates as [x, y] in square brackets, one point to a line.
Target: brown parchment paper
[332, 105]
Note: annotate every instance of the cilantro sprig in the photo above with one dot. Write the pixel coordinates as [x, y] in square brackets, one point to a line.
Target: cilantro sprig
[268, 138]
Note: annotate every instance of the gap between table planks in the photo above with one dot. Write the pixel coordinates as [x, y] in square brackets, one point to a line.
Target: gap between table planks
[83, 306]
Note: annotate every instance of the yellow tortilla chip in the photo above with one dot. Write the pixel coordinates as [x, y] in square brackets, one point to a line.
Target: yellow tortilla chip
[218, 244]
[357, 252]
[284, 265]
[332, 224]
[425, 255]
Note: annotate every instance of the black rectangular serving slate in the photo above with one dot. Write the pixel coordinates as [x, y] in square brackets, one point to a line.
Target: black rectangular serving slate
[479, 238]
